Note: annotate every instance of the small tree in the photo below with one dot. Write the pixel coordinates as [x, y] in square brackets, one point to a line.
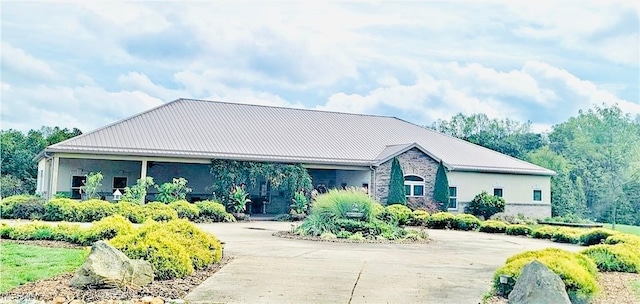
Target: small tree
[396, 184]
[138, 192]
[485, 205]
[441, 189]
[175, 191]
[92, 186]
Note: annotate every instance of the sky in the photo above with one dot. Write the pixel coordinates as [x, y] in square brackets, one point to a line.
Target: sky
[86, 64]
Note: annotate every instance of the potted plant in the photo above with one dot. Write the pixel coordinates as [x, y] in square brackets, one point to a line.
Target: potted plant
[238, 202]
[299, 206]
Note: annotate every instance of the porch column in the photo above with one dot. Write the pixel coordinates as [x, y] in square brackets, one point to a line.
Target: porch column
[143, 170]
[54, 176]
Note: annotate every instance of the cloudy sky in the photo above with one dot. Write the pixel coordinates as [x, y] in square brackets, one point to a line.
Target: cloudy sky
[88, 63]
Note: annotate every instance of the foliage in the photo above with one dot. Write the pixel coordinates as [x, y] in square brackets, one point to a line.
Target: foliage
[300, 203]
[138, 192]
[418, 218]
[105, 229]
[576, 271]
[441, 188]
[11, 185]
[92, 186]
[174, 191]
[238, 199]
[159, 212]
[568, 218]
[624, 239]
[620, 258]
[518, 229]
[21, 263]
[485, 205]
[441, 220]
[328, 236]
[211, 211]
[595, 236]
[22, 207]
[396, 184]
[396, 213]
[513, 219]
[132, 211]
[567, 235]
[491, 226]
[465, 222]
[317, 223]
[185, 210]
[336, 204]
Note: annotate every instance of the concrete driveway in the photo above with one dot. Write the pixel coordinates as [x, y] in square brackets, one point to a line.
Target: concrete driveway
[457, 267]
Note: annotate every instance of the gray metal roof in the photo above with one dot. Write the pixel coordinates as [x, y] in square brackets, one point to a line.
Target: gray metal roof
[209, 129]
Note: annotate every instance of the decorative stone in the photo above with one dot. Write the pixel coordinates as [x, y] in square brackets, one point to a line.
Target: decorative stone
[537, 284]
[59, 300]
[107, 267]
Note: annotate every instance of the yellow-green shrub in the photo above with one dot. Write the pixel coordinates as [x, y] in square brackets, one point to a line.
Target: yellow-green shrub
[93, 210]
[32, 231]
[131, 211]
[210, 211]
[492, 226]
[567, 235]
[5, 230]
[22, 207]
[418, 218]
[441, 220]
[620, 257]
[544, 232]
[397, 213]
[185, 209]
[518, 229]
[158, 211]
[60, 209]
[466, 222]
[106, 228]
[595, 236]
[576, 271]
[624, 238]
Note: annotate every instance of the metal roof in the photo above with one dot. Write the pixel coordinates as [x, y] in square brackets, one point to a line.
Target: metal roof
[211, 129]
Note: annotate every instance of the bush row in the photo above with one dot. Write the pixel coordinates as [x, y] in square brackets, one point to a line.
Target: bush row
[175, 248]
[64, 209]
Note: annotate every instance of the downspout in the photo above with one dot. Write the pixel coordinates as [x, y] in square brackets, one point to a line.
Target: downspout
[372, 188]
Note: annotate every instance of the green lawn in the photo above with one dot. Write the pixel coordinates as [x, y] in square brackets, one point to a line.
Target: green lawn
[25, 263]
[625, 228]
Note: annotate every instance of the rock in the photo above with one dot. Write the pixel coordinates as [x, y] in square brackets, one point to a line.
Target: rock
[537, 284]
[59, 300]
[107, 267]
[76, 302]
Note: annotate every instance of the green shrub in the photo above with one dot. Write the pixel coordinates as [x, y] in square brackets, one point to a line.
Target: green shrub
[491, 226]
[350, 225]
[5, 230]
[623, 238]
[513, 219]
[328, 236]
[185, 210]
[518, 230]
[416, 235]
[211, 211]
[174, 248]
[418, 218]
[71, 233]
[60, 209]
[133, 212]
[316, 224]
[544, 232]
[106, 229]
[466, 222]
[568, 218]
[357, 236]
[342, 234]
[441, 220]
[385, 230]
[485, 205]
[576, 271]
[23, 207]
[396, 213]
[567, 235]
[159, 212]
[595, 236]
[620, 258]
[92, 210]
[336, 204]
[32, 231]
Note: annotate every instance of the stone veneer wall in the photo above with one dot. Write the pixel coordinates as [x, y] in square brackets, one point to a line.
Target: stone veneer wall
[412, 162]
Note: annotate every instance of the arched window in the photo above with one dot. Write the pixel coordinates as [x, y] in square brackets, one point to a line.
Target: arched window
[413, 185]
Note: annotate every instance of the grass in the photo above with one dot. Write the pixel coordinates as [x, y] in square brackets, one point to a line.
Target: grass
[21, 264]
[625, 228]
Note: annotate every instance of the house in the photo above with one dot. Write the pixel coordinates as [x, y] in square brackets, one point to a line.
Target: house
[182, 137]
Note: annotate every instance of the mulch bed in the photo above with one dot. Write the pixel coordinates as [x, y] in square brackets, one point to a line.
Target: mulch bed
[290, 235]
[58, 286]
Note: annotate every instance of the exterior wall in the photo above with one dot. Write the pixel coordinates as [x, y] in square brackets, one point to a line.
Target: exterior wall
[517, 191]
[197, 175]
[109, 169]
[353, 178]
[413, 162]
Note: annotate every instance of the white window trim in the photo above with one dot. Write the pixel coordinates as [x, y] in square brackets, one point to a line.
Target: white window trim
[412, 184]
[456, 197]
[501, 188]
[533, 196]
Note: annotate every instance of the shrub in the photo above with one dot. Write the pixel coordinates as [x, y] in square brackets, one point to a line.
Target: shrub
[211, 211]
[397, 213]
[544, 232]
[328, 236]
[23, 207]
[396, 184]
[174, 249]
[32, 231]
[568, 218]
[418, 218]
[623, 238]
[518, 230]
[620, 258]
[132, 211]
[357, 236]
[59, 209]
[159, 212]
[342, 234]
[385, 230]
[466, 222]
[106, 229]
[416, 235]
[350, 225]
[595, 236]
[336, 203]
[92, 210]
[576, 271]
[173, 191]
[513, 219]
[441, 220]
[316, 224]
[485, 205]
[491, 226]
[567, 235]
[5, 230]
[185, 210]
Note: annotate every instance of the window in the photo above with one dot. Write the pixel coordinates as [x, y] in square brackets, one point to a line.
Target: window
[413, 185]
[537, 195]
[497, 192]
[453, 198]
[77, 182]
[119, 183]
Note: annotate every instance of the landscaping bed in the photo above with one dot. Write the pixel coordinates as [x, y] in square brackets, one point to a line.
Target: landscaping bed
[294, 236]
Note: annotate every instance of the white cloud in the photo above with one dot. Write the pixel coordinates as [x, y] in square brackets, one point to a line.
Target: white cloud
[20, 62]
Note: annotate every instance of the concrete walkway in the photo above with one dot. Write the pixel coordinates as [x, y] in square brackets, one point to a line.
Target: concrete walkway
[457, 267]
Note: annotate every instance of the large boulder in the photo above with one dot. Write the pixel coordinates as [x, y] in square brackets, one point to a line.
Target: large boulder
[538, 285]
[108, 267]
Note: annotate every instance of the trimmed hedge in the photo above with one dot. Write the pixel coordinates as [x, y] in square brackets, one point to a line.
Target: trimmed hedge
[185, 210]
[567, 235]
[623, 238]
[441, 220]
[620, 258]
[544, 232]
[211, 211]
[418, 218]
[23, 207]
[576, 271]
[596, 236]
[491, 226]
[398, 213]
[465, 222]
[518, 230]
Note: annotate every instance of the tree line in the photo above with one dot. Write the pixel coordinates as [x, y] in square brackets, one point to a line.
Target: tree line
[595, 154]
